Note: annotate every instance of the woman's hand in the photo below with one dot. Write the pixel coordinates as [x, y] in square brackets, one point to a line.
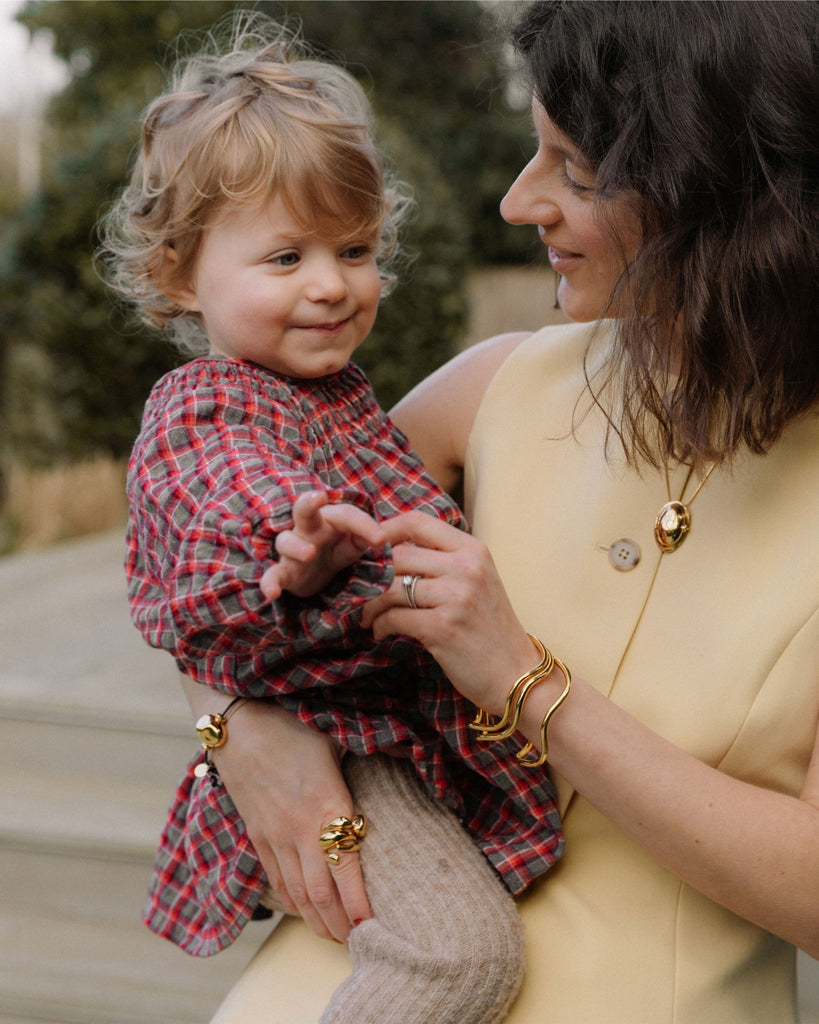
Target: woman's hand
[286, 783]
[463, 615]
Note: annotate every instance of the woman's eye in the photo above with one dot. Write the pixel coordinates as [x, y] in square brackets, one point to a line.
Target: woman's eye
[576, 186]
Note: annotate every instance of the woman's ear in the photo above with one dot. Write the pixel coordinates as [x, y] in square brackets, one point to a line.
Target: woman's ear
[174, 285]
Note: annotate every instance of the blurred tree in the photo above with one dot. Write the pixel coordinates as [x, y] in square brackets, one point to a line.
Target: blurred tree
[76, 374]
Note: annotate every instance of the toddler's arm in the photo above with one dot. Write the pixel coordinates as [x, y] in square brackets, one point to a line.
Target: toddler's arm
[324, 540]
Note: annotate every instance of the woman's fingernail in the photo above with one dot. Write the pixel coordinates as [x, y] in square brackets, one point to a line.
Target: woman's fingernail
[357, 922]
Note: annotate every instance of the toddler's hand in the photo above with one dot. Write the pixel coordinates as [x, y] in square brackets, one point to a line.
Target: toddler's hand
[324, 540]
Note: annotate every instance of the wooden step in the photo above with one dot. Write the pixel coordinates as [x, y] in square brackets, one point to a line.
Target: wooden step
[59, 744]
[68, 955]
[82, 815]
[94, 735]
[68, 641]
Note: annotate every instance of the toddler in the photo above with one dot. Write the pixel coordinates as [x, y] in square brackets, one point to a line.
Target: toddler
[258, 229]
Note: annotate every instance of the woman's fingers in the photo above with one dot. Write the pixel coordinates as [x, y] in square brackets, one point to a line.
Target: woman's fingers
[356, 522]
[456, 607]
[275, 881]
[427, 531]
[330, 897]
[350, 885]
[445, 578]
[312, 890]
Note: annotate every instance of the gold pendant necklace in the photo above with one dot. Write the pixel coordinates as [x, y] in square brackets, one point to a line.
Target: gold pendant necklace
[674, 519]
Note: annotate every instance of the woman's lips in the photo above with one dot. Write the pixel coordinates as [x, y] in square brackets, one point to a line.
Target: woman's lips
[563, 261]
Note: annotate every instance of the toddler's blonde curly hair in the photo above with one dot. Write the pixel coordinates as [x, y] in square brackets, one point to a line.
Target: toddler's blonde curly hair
[239, 123]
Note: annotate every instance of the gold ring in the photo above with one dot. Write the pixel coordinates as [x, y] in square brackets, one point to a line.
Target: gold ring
[409, 588]
[343, 834]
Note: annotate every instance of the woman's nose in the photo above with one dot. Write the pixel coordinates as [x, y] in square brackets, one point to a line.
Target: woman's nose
[527, 201]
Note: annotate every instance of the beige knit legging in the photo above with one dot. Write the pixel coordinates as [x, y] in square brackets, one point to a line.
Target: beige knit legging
[445, 945]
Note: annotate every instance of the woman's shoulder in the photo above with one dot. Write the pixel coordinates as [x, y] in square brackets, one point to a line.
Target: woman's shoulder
[522, 354]
[560, 340]
[438, 414]
[484, 357]
[463, 379]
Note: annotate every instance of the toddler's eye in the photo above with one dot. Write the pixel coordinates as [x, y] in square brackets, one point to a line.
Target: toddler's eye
[356, 252]
[286, 259]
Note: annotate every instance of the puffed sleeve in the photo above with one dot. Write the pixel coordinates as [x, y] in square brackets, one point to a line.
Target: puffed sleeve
[212, 481]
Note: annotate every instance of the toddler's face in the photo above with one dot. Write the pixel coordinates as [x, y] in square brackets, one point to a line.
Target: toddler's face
[296, 303]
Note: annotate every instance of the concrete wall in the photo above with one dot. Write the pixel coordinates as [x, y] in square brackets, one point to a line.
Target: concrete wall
[511, 299]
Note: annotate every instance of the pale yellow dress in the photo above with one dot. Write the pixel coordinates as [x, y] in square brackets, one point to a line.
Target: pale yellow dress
[715, 646]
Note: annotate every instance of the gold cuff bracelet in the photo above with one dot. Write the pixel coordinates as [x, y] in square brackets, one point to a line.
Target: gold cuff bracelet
[523, 755]
[508, 722]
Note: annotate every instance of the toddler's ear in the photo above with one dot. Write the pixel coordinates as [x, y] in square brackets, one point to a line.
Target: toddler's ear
[174, 285]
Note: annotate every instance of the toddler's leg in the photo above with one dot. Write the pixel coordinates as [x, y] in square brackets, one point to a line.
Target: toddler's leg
[445, 945]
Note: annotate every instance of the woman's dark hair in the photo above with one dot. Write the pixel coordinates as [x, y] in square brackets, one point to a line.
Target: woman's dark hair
[705, 113]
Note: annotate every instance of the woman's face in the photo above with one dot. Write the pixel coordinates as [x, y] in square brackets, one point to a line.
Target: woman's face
[556, 192]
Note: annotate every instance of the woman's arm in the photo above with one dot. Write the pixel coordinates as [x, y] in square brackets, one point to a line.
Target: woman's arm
[437, 415]
[749, 849]
[286, 783]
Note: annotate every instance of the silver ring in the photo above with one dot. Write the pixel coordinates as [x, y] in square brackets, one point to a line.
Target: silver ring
[409, 588]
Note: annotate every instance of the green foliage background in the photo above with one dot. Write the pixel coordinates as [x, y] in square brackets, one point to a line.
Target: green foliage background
[75, 372]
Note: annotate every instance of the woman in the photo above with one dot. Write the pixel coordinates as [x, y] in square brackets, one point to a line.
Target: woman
[644, 480]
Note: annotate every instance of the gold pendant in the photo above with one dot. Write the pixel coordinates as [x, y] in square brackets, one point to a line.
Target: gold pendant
[671, 526]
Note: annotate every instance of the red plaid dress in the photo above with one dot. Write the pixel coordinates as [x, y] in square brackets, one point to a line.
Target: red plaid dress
[224, 450]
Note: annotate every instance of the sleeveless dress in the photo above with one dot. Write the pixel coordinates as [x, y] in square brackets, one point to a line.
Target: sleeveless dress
[714, 646]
